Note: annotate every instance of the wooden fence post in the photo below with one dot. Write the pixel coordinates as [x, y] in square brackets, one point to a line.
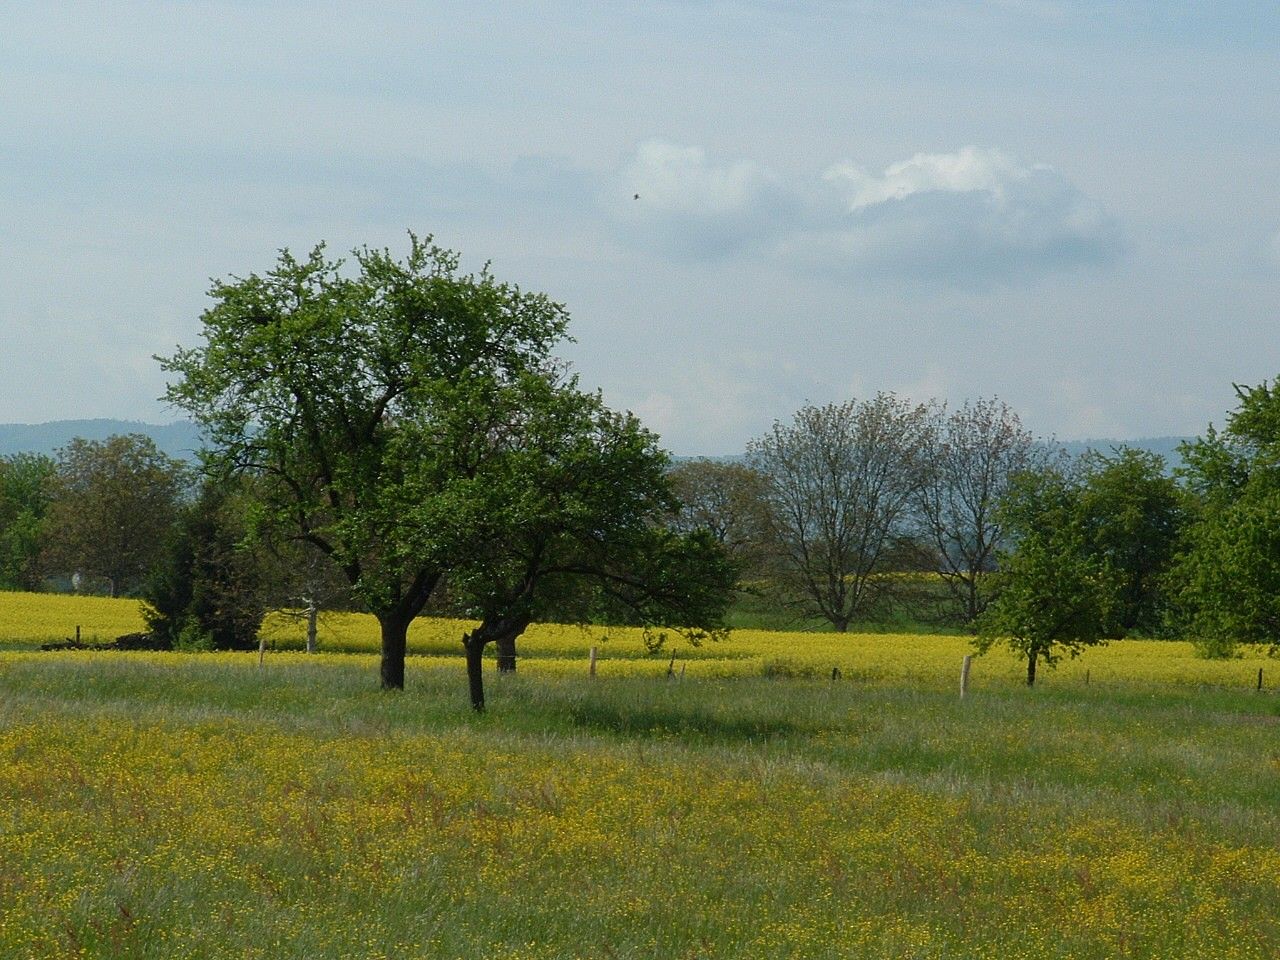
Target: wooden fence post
[262, 649]
[671, 667]
[592, 668]
[1259, 679]
[964, 675]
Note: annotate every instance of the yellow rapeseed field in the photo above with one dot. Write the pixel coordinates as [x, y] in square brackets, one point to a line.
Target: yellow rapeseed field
[34, 618]
[920, 659]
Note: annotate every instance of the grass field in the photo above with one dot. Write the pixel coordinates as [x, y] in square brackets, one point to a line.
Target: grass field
[174, 806]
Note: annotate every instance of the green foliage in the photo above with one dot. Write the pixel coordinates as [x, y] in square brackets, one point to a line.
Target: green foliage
[1226, 581]
[564, 517]
[361, 400]
[194, 638]
[409, 422]
[25, 488]
[206, 593]
[1054, 595]
[111, 508]
[1131, 514]
[1230, 577]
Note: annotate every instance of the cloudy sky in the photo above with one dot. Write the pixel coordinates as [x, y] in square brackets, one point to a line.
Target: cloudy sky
[1072, 205]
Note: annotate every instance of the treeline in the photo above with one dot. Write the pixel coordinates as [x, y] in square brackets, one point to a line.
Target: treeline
[961, 517]
[398, 437]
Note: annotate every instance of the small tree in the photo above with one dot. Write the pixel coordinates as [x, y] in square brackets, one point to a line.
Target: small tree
[840, 480]
[1053, 597]
[112, 506]
[299, 583]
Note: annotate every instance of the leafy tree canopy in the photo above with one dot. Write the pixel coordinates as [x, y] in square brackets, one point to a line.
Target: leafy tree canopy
[359, 396]
[1227, 577]
[112, 505]
[26, 481]
[1054, 595]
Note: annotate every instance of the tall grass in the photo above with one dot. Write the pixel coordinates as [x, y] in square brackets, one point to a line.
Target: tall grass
[182, 806]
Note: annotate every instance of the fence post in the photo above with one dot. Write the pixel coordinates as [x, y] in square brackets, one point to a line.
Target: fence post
[1259, 679]
[671, 667]
[592, 668]
[262, 648]
[964, 675]
[77, 633]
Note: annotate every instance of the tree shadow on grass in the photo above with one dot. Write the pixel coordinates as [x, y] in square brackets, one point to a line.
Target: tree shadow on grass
[683, 723]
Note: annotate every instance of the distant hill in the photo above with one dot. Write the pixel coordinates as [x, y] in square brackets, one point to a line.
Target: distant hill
[182, 438]
[1166, 447]
[179, 439]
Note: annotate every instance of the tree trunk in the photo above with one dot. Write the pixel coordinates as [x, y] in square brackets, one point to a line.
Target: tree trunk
[395, 633]
[1032, 657]
[971, 601]
[312, 613]
[507, 653]
[475, 668]
[500, 630]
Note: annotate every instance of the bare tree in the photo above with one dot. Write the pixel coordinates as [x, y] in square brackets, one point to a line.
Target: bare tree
[840, 481]
[971, 456]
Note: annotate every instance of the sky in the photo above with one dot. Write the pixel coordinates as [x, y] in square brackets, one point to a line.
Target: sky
[1073, 206]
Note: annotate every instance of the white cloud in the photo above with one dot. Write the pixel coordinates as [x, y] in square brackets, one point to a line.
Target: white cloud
[677, 199]
[973, 215]
[968, 170]
[970, 216]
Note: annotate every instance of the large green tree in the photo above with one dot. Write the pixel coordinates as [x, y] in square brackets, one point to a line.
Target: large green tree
[112, 505]
[569, 510]
[358, 396]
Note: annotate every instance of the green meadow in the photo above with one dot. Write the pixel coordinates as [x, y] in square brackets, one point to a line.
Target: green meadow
[198, 805]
